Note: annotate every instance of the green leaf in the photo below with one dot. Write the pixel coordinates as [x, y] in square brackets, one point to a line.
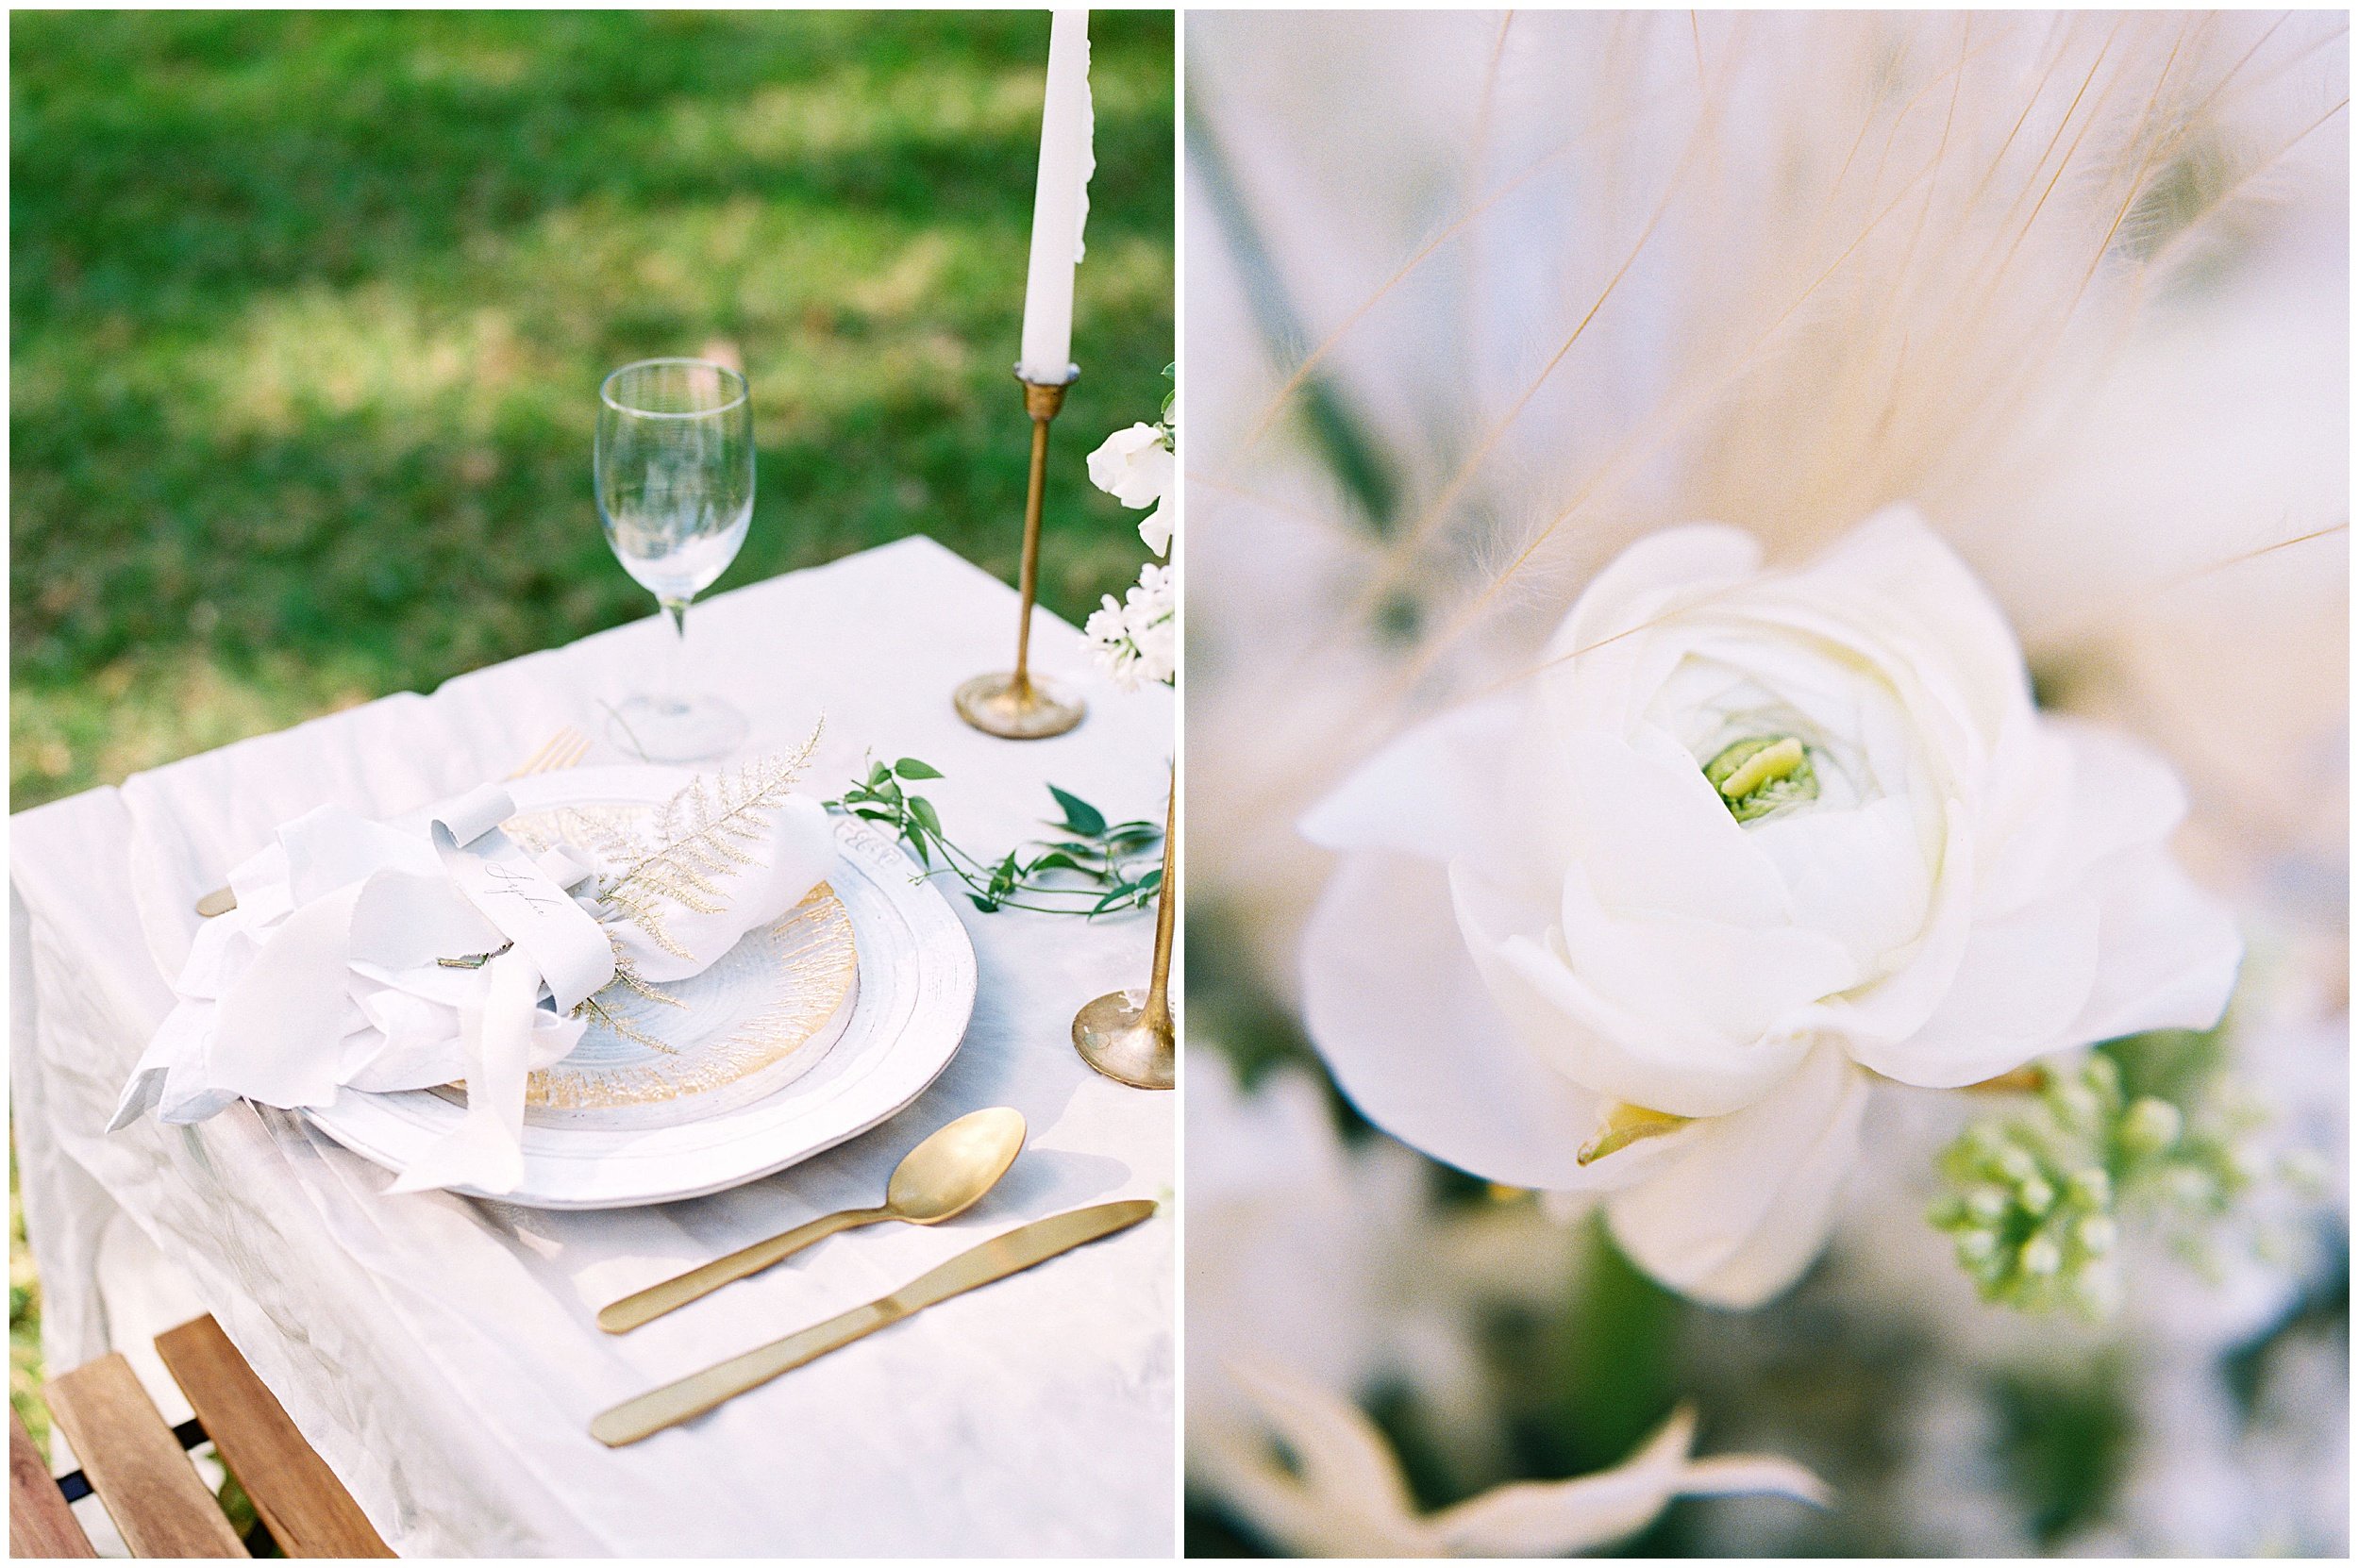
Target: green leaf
[1085, 848]
[1149, 883]
[1079, 816]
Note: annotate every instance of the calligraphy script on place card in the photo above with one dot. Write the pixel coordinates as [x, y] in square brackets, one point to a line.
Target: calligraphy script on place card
[569, 947]
[525, 884]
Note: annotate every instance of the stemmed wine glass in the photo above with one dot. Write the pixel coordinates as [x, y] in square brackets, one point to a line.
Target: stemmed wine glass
[676, 491]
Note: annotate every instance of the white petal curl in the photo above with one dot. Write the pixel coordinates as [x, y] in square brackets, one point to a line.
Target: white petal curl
[1743, 1203]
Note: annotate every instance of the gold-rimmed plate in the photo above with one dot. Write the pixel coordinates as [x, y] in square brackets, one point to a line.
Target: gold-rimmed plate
[812, 1030]
[764, 1014]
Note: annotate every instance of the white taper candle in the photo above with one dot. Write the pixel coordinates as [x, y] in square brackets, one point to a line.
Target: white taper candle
[1060, 202]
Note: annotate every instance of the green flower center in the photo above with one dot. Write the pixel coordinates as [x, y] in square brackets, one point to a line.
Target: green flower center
[1756, 777]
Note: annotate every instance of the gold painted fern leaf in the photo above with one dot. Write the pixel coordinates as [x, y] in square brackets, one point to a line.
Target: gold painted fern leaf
[699, 839]
[597, 1012]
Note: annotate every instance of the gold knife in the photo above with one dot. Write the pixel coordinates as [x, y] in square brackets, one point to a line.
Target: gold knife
[1003, 1255]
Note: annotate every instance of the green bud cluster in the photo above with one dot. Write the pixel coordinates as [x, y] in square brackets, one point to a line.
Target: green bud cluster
[2036, 1201]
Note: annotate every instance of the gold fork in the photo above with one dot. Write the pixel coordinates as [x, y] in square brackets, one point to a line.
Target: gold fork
[559, 752]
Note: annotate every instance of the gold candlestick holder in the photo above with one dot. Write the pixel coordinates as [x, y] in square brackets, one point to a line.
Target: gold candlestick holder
[1128, 1034]
[1015, 706]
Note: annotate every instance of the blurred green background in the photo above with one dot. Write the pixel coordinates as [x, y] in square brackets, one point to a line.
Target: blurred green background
[311, 311]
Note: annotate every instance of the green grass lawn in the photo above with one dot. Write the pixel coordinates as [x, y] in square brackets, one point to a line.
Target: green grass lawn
[311, 312]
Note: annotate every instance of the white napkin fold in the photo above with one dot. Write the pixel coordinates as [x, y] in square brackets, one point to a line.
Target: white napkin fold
[369, 957]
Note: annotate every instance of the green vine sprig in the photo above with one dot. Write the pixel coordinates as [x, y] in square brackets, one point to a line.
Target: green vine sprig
[1087, 867]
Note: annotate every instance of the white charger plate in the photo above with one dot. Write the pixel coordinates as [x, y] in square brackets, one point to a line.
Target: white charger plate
[915, 992]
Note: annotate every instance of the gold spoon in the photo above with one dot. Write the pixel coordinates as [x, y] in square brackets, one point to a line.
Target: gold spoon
[940, 1178]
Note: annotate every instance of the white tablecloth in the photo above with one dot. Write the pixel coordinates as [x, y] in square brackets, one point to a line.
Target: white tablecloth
[440, 1352]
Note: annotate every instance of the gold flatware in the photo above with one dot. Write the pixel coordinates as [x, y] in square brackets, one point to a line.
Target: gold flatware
[559, 752]
[996, 1259]
[942, 1176]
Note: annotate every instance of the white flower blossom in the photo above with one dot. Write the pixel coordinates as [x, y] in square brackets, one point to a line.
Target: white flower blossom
[1747, 838]
[1135, 642]
[1134, 466]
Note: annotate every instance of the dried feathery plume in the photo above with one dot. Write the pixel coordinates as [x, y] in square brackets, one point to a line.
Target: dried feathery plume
[1484, 300]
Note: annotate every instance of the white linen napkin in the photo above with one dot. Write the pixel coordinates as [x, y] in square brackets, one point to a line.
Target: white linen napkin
[368, 957]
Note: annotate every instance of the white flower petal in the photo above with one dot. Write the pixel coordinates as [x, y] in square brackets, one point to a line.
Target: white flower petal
[1551, 1518]
[1394, 1004]
[1741, 677]
[1643, 1058]
[1745, 1201]
[2021, 982]
[1347, 1496]
[1617, 1055]
[2108, 794]
[1898, 1005]
[1754, 1476]
[1424, 792]
[1856, 876]
[1709, 981]
[1895, 572]
[1134, 466]
[1155, 530]
[1944, 738]
[1670, 567]
[1654, 837]
[2167, 952]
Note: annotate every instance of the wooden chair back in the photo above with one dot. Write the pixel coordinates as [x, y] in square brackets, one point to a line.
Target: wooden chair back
[140, 1471]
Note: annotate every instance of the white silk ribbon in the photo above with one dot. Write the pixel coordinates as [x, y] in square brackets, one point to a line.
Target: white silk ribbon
[486, 1150]
[554, 942]
[357, 900]
[366, 958]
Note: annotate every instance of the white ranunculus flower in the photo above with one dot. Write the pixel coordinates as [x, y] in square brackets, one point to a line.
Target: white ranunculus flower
[1647, 928]
[1136, 468]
